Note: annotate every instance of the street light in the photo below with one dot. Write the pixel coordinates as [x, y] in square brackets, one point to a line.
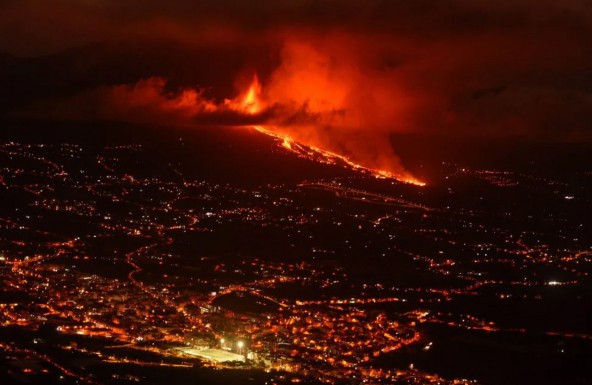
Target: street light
[240, 345]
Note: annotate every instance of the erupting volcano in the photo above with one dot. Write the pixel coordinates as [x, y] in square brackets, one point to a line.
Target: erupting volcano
[250, 102]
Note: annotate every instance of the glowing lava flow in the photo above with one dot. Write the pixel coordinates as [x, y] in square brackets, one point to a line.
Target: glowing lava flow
[328, 157]
[250, 103]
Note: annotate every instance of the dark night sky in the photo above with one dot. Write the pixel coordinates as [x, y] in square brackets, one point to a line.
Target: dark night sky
[481, 68]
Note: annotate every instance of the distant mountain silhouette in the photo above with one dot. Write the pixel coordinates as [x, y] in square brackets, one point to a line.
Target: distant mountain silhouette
[27, 80]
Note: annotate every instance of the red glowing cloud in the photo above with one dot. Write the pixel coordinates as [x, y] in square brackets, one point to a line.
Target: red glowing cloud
[326, 93]
[338, 75]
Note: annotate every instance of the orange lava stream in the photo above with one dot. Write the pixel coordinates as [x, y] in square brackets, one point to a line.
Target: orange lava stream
[331, 157]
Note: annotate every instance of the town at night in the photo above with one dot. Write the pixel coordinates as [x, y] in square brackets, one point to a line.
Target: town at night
[314, 192]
